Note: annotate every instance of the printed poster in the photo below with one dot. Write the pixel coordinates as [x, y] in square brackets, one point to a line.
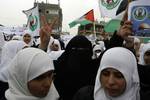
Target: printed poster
[139, 14]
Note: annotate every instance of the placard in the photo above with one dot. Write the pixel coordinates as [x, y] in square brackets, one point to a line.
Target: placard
[139, 14]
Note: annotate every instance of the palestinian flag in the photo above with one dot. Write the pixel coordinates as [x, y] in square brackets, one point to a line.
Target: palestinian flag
[83, 20]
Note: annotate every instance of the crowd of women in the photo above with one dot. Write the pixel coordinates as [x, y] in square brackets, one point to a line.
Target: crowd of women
[114, 69]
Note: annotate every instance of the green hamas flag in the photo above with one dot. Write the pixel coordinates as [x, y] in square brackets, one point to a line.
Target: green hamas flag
[33, 24]
[112, 25]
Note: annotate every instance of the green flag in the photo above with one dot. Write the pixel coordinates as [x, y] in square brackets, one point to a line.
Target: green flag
[112, 25]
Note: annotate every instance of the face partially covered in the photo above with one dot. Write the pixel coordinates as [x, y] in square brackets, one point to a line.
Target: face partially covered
[40, 85]
[113, 82]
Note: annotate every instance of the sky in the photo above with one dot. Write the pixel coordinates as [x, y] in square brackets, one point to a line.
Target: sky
[12, 15]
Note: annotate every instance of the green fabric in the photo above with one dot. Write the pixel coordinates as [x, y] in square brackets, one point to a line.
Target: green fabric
[85, 22]
[112, 25]
[146, 39]
[82, 22]
[72, 24]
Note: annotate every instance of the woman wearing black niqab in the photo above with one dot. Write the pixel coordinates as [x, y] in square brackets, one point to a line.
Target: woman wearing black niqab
[75, 68]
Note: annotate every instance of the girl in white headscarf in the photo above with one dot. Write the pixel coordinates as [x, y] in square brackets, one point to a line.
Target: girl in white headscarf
[124, 62]
[51, 43]
[30, 77]
[54, 49]
[28, 38]
[117, 77]
[144, 58]
[144, 71]
[137, 44]
[9, 50]
[98, 49]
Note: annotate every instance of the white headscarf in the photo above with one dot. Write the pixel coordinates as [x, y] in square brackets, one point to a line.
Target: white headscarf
[124, 61]
[99, 46]
[2, 42]
[26, 66]
[54, 55]
[30, 33]
[136, 40]
[56, 41]
[50, 42]
[17, 37]
[9, 50]
[53, 41]
[145, 48]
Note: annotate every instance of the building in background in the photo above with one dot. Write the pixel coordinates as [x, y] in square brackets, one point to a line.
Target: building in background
[89, 28]
[52, 11]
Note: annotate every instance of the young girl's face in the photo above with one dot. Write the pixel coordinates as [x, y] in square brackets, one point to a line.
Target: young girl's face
[27, 38]
[40, 86]
[113, 82]
[54, 47]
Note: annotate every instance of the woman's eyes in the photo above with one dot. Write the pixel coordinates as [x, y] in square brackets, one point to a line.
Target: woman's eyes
[40, 77]
[106, 73]
[118, 75]
[115, 74]
[49, 75]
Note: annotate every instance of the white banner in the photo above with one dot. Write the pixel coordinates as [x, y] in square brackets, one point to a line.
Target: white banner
[12, 30]
[112, 8]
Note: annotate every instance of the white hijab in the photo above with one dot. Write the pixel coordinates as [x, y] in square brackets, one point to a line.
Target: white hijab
[26, 66]
[124, 61]
[53, 41]
[54, 55]
[2, 42]
[9, 50]
[99, 46]
[17, 37]
[136, 40]
[145, 48]
[30, 33]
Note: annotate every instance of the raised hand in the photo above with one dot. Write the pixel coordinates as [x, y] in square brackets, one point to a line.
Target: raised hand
[125, 30]
[45, 32]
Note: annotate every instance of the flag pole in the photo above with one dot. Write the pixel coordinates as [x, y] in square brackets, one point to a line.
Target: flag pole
[125, 16]
[84, 30]
[94, 28]
[59, 3]
[94, 32]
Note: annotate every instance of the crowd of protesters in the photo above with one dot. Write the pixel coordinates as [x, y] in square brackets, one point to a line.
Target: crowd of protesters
[116, 68]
